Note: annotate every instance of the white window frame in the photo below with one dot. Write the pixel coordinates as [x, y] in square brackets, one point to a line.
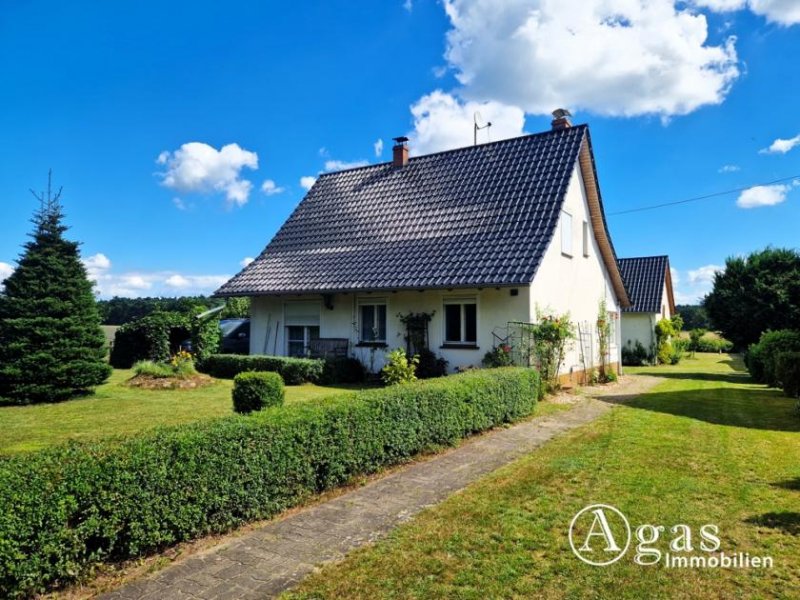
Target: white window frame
[460, 302]
[566, 233]
[306, 338]
[374, 303]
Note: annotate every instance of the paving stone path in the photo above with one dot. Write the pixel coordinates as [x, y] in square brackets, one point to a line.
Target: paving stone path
[265, 562]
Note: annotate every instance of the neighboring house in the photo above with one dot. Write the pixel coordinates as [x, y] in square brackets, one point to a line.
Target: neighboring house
[477, 237]
[649, 283]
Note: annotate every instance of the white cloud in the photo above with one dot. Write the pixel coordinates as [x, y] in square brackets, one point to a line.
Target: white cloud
[200, 168]
[307, 181]
[408, 5]
[96, 266]
[270, 188]
[5, 272]
[134, 284]
[763, 195]
[610, 57]
[697, 283]
[378, 146]
[341, 165]
[246, 261]
[704, 274]
[442, 122]
[729, 169]
[177, 281]
[781, 146]
[783, 12]
[180, 204]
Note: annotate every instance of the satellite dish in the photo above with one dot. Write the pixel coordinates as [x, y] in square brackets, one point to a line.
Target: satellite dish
[476, 118]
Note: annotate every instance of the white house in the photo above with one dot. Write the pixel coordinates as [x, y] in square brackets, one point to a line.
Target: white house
[478, 238]
[648, 280]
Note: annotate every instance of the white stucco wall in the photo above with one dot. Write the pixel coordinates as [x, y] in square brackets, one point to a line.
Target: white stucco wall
[639, 327]
[576, 283]
[495, 307]
[665, 310]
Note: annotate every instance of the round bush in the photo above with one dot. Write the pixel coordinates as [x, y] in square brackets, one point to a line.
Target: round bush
[257, 390]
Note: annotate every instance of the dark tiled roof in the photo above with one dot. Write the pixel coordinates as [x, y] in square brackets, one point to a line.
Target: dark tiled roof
[644, 278]
[476, 216]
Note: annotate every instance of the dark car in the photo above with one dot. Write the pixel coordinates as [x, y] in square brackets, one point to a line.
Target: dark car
[235, 337]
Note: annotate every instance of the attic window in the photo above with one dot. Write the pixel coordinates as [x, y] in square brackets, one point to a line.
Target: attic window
[566, 233]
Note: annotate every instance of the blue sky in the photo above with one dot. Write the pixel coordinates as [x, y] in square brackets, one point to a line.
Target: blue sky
[183, 132]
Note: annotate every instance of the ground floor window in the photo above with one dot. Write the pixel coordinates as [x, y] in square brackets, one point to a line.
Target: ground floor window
[299, 337]
[373, 322]
[461, 322]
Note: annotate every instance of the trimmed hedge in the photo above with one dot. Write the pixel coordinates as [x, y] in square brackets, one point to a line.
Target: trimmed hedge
[293, 370]
[709, 344]
[256, 391]
[788, 373]
[69, 507]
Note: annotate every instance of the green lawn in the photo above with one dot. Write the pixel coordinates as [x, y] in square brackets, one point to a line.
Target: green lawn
[705, 446]
[117, 409]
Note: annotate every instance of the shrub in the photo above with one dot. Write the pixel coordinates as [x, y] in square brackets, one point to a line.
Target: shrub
[761, 358]
[430, 365]
[155, 337]
[293, 370]
[399, 368]
[499, 356]
[552, 335]
[665, 352]
[254, 391]
[206, 337]
[180, 366]
[635, 355]
[148, 368]
[343, 370]
[665, 331]
[788, 373]
[716, 345]
[82, 503]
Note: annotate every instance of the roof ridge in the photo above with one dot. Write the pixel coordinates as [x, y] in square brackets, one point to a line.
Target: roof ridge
[459, 149]
[642, 257]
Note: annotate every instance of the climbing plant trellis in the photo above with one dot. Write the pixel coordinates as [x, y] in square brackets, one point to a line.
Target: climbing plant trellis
[518, 336]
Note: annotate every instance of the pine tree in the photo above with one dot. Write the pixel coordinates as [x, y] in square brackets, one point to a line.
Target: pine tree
[51, 344]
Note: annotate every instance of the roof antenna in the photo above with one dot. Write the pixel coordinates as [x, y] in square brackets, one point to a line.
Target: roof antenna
[475, 119]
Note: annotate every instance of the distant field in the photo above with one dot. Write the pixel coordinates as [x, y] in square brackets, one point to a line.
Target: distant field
[110, 331]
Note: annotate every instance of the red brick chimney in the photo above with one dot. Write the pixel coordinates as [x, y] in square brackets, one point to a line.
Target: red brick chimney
[400, 152]
[561, 119]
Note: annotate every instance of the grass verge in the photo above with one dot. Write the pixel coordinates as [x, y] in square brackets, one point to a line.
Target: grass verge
[118, 409]
[706, 446]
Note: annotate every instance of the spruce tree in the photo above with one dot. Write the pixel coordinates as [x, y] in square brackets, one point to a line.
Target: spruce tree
[51, 344]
